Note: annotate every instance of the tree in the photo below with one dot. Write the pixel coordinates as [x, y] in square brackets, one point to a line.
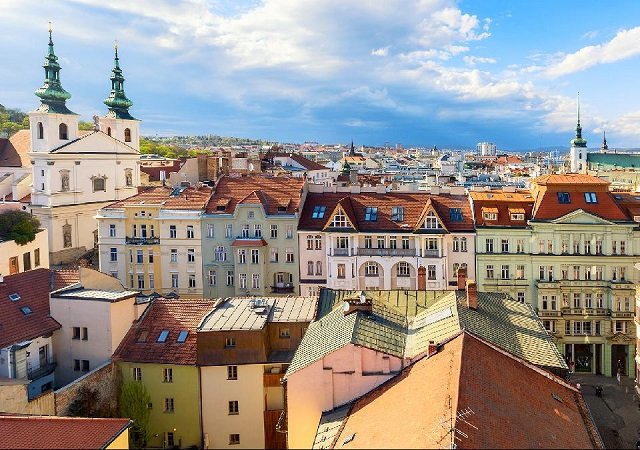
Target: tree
[19, 226]
[134, 404]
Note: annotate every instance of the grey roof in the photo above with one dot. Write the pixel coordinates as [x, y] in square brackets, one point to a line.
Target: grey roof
[403, 324]
[249, 313]
[329, 426]
[81, 293]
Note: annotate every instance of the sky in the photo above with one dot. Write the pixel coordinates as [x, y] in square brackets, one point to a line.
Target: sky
[411, 72]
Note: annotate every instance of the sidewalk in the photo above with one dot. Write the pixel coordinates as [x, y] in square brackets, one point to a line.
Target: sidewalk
[616, 413]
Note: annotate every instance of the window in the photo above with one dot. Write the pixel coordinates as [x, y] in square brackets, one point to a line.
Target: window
[397, 213]
[36, 257]
[255, 281]
[564, 272]
[318, 242]
[393, 242]
[563, 197]
[243, 280]
[255, 256]
[140, 281]
[590, 197]
[599, 300]
[431, 272]
[564, 246]
[520, 272]
[99, 184]
[318, 212]
[403, 269]
[381, 241]
[251, 214]
[152, 281]
[598, 246]
[127, 135]
[489, 271]
[63, 133]
[242, 256]
[463, 244]
[488, 245]
[310, 268]
[289, 231]
[40, 131]
[274, 255]
[309, 242]
[170, 440]
[210, 230]
[520, 297]
[340, 220]
[164, 334]
[232, 372]
[455, 214]
[274, 231]
[341, 271]
[230, 342]
[173, 233]
[371, 214]
[174, 255]
[368, 242]
[456, 244]
[228, 230]
[576, 272]
[168, 405]
[577, 300]
[212, 278]
[257, 230]
[76, 365]
[431, 221]
[588, 300]
[505, 245]
[230, 277]
[490, 216]
[550, 325]
[174, 280]
[245, 231]
[504, 272]
[234, 439]
[137, 373]
[139, 257]
[76, 333]
[167, 375]
[284, 333]
[113, 254]
[150, 256]
[517, 217]
[289, 254]
[190, 233]
[220, 254]
[191, 255]
[623, 247]
[587, 247]
[112, 230]
[192, 280]
[371, 269]
[318, 268]
[85, 365]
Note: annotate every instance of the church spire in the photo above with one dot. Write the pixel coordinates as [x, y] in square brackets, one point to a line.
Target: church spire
[352, 151]
[52, 95]
[117, 101]
[578, 141]
[604, 147]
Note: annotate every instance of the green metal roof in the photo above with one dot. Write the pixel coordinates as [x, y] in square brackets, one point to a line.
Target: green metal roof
[117, 101]
[51, 94]
[619, 160]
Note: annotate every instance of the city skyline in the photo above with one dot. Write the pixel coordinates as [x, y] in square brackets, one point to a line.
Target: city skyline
[448, 74]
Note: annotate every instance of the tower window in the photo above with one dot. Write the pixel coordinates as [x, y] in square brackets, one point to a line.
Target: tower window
[108, 131]
[127, 135]
[40, 131]
[63, 132]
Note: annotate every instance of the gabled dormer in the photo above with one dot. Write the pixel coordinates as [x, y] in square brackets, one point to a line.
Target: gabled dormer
[430, 221]
[342, 217]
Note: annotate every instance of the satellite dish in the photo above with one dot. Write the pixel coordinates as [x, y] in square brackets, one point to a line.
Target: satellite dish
[346, 306]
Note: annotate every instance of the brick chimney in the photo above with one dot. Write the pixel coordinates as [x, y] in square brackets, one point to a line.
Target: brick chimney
[433, 349]
[472, 295]
[462, 278]
[350, 306]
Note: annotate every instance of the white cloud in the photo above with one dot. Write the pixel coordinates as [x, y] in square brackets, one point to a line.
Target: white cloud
[624, 45]
[473, 60]
[591, 34]
[382, 51]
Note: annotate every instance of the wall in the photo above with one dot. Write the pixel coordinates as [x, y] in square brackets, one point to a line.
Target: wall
[122, 441]
[14, 399]
[9, 249]
[103, 379]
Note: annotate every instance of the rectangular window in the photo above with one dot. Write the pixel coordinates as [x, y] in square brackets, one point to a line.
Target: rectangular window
[76, 333]
[274, 231]
[168, 405]
[405, 243]
[489, 270]
[152, 281]
[230, 342]
[490, 216]
[274, 255]
[234, 439]
[577, 300]
[139, 257]
[520, 271]
[137, 373]
[174, 280]
[397, 213]
[143, 230]
[192, 280]
[371, 214]
[167, 375]
[289, 254]
[289, 231]
[245, 231]
[255, 256]
[505, 245]
[113, 254]
[26, 261]
[242, 256]
[210, 230]
[504, 272]
[255, 281]
[318, 212]
[243, 280]
[228, 231]
[36, 257]
[564, 197]
[431, 272]
[76, 365]
[488, 245]
[284, 333]
[173, 232]
[590, 197]
[191, 255]
[212, 278]
[257, 230]
[230, 277]
[174, 255]
[190, 232]
[520, 297]
[455, 214]
[150, 256]
[85, 365]
[234, 407]
[140, 281]
[232, 372]
[381, 241]
[341, 271]
[112, 230]
[220, 254]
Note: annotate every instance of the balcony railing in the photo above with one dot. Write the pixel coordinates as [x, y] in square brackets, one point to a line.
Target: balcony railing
[45, 369]
[142, 240]
[282, 289]
[427, 253]
[386, 252]
[587, 311]
[340, 252]
[622, 314]
[544, 313]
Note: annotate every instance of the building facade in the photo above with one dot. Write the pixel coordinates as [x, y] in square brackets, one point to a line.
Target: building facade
[20, 258]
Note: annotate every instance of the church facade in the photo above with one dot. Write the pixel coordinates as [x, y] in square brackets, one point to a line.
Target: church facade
[75, 173]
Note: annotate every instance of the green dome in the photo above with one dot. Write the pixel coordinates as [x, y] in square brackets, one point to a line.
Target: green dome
[117, 101]
[51, 94]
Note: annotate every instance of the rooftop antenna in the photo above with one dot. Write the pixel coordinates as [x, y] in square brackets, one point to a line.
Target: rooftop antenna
[449, 425]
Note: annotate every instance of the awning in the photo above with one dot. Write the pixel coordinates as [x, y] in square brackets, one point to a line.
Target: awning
[249, 242]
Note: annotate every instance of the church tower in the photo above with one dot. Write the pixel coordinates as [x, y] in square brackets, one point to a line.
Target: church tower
[604, 147]
[578, 151]
[52, 124]
[118, 123]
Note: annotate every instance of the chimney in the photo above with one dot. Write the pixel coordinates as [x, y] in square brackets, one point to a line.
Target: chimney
[1, 278]
[350, 306]
[472, 295]
[433, 349]
[462, 278]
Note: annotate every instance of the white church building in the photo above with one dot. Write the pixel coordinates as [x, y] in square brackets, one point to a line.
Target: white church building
[75, 173]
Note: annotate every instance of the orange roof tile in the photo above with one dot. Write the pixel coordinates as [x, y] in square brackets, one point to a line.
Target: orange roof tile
[141, 342]
[505, 203]
[568, 178]
[64, 278]
[14, 151]
[44, 432]
[468, 373]
[188, 199]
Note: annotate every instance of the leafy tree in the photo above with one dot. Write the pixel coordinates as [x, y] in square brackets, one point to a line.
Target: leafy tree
[85, 126]
[134, 401]
[19, 226]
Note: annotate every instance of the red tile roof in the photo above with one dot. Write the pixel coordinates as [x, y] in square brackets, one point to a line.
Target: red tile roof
[569, 178]
[504, 203]
[541, 410]
[189, 198]
[413, 203]
[33, 287]
[64, 278]
[249, 242]
[14, 151]
[141, 342]
[44, 432]
[271, 192]
[301, 160]
[154, 171]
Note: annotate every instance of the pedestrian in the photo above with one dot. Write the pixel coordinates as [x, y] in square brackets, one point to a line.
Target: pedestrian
[618, 375]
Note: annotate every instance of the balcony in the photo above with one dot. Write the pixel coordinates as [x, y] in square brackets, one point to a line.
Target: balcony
[288, 289]
[386, 252]
[340, 252]
[622, 314]
[45, 368]
[544, 313]
[429, 253]
[586, 311]
[142, 240]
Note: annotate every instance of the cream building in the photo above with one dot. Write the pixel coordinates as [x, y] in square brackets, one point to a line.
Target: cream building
[20, 258]
[74, 173]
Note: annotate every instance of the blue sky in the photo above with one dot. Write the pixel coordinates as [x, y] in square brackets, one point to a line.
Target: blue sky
[415, 72]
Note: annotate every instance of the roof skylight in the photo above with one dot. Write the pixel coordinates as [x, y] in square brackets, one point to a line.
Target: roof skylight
[164, 334]
[182, 336]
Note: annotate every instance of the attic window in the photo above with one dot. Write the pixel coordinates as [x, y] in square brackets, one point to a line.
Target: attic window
[14, 297]
[371, 214]
[142, 337]
[590, 197]
[26, 310]
[431, 221]
[455, 214]
[318, 211]
[564, 197]
[164, 334]
[397, 213]
[221, 207]
[182, 336]
[340, 220]
[517, 217]
[282, 209]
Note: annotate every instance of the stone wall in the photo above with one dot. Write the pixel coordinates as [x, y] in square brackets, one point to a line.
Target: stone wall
[93, 395]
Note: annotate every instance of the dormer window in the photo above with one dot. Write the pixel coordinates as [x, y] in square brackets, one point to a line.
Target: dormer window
[517, 217]
[455, 214]
[590, 197]
[397, 213]
[318, 212]
[63, 132]
[340, 220]
[282, 209]
[490, 216]
[431, 221]
[564, 197]
[127, 135]
[371, 214]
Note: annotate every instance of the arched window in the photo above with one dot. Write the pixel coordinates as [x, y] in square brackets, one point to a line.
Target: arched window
[318, 268]
[63, 132]
[127, 135]
[463, 244]
[456, 244]
[40, 131]
[310, 268]
[318, 240]
[108, 131]
[309, 242]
